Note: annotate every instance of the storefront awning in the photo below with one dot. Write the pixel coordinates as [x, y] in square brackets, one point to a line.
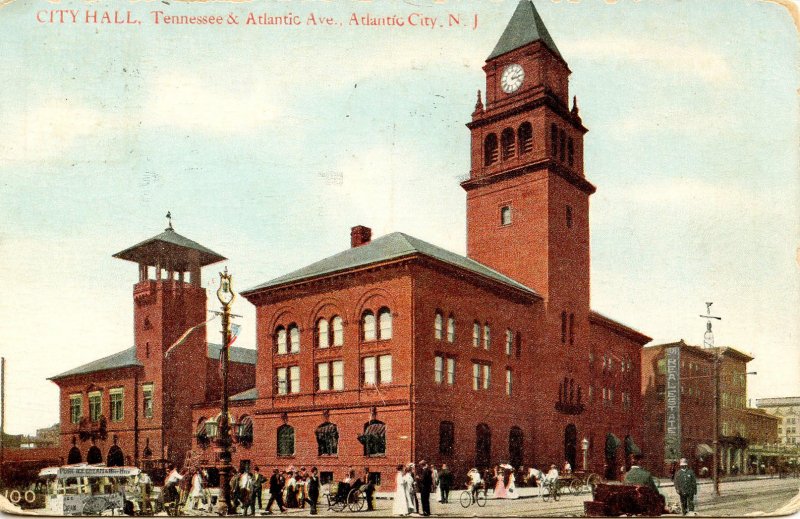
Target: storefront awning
[703, 450]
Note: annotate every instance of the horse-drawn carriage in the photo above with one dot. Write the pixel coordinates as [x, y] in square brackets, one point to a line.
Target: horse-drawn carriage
[341, 496]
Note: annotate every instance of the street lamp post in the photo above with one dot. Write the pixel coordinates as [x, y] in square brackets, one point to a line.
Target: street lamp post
[585, 445]
[225, 295]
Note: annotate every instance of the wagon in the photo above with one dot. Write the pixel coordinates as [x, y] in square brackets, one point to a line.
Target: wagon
[355, 500]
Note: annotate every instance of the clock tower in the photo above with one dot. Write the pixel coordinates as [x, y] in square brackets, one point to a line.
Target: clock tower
[527, 196]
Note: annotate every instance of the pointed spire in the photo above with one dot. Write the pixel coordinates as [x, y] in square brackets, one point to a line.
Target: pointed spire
[574, 105]
[525, 26]
[479, 103]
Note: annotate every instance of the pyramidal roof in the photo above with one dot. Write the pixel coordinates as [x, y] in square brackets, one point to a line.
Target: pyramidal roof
[169, 244]
[525, 26]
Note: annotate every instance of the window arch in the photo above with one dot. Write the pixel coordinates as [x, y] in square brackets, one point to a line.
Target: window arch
[285, 440]
[483, 446]
[490, 150]
[323, 333]
[384, 324]
[476, 334]
[507, 143]
[115, 457]
[451, 328]
[74, 456]
[294, 338]
[245, 431]
[368, 326]
[337, 327]
[374, 438]
[93, 455]
[280, 340]
[562, 145]
[553, 140]
[446, 438]
[525, 138]
[438, 323]
[516, 446]
[327, 439]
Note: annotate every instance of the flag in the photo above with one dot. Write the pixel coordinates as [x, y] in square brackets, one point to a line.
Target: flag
[186, 335]
[234, 333]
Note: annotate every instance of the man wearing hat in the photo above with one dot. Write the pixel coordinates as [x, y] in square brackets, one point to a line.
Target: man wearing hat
[426, 487]
[686, 486]
[639, 476]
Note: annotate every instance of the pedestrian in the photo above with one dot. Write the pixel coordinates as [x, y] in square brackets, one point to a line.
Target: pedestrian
[146, 488]
[275, 491]
[258, 487]
[445, 482]
[686, 486]
[196, 492]
[474, 483]
[400, 503]
[233, 484]
[411, 494]
[368, 489]
[639, 476]
[184, 485]
[437, 487]
[245, 489]
[426, 487]
[312, 490]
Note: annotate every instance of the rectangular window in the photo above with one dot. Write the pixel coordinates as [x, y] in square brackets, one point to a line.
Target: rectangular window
[509, 341]
[281, 380]
[509, 382]
[451, 329]
[370, 376]
[487, 337]
[323, 376]
[95, 405]
[451, 370]
[487, 375]
[505, 215]
[662, 366]
[117, 404]
[147, 400]
[385, 365]
[75, 411]
[338, 375]
[476, 376]
[294, 379]
[377, 370]
[438, 369]
[476, 335]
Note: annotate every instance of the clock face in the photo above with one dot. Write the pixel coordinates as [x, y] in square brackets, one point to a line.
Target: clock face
[512, 78]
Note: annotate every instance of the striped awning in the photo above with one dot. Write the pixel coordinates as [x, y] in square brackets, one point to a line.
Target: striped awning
[326, 429]
[703, 449]
[375, 429]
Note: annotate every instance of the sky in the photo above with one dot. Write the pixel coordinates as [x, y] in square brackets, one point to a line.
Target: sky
[267, 143]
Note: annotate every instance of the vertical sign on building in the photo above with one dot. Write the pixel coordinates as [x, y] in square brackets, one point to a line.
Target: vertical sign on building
[672, 434]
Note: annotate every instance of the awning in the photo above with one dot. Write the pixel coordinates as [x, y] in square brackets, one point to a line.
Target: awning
[375, 429]
[612, 444]
[703, 450]
[630, 446]
[326, 429]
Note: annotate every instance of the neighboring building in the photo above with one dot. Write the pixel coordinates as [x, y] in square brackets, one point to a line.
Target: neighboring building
[740, 426]
[397, 350]
[135, 404]
[788, 410]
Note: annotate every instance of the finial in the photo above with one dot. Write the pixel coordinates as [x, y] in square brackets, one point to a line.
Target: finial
[479, 103]
[169, 220]
[575, 105]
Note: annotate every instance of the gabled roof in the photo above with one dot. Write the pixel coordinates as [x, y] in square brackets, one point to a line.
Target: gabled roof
[127, 358]
[525, 26]
[247, 394]
[392, 246]
[618, 327]
[172, 245]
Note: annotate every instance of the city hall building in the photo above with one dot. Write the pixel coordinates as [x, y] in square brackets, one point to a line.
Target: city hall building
[396, 350]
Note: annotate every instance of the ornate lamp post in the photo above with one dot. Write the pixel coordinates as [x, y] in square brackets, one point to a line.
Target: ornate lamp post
[223, 438]
[585, 445]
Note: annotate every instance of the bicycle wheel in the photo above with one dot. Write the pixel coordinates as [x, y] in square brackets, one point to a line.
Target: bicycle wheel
[480, 498]
[575, 487]
[547, 493]
[357, 500]
[465, 498]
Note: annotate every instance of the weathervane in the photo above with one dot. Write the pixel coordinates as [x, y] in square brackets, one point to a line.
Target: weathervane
[708, 337]
[169, 221]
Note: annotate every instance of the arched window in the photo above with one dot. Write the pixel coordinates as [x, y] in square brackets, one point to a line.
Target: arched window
[245, 431]
[476, 334]
[323, 335]
[338, 330]
[483, 446]
[93, 455]
[384, 324]
[451, 328]
[487, 336]
[446, 438]
[368, 326]
[294, 338]
[438, 322]
[563, 327]
[74, 456]
[490, 150]
[327, 439]
[507, 143]
[509, 341]
[516, 447]
[285, 440]
[280, 340]
[115, 457]
[553, 140]
[525, 138]
[374, 438]
[562, 145]
[571, 151]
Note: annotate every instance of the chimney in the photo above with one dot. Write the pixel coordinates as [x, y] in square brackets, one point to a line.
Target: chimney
[360, 235]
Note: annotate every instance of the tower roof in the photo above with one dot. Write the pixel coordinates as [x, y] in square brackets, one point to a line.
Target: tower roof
[525, 26]
[170, 245]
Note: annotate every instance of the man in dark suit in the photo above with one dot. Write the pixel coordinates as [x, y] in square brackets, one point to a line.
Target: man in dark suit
[257, 485]
[312, 490]
[445, 483]
[426, 487]
[368, 488]
[639, 476]
[276, 491]
[686, 486]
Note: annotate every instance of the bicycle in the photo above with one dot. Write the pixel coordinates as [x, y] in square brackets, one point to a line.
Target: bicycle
[468, 497]
[553, 490]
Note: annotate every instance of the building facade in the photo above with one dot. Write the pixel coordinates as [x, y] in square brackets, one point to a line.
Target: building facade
[739, 428]
[787, 409]
[396, 350]
[135, 405]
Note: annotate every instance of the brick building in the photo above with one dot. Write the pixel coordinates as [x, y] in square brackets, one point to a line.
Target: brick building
[397, 350]
[114, 410]
[787, 409]
[740, 426]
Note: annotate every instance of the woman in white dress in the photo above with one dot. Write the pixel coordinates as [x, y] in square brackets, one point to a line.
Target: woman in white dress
[411, 492]
[196, 493]
[400, 499]
[511, 490]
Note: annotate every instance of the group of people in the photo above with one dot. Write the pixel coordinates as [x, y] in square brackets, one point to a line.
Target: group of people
[409, 482]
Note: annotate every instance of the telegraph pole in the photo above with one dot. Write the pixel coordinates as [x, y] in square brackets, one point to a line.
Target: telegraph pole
[2, 416]
[708, 342]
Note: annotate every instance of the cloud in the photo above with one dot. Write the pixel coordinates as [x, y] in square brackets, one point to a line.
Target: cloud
[203, 101]
[671, 59]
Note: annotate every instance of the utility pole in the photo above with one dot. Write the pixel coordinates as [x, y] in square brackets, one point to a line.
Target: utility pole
[708, 342]
[2, 416]
[226, 296]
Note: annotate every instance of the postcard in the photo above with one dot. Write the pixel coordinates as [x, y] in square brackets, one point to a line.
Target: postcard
[384, 258]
